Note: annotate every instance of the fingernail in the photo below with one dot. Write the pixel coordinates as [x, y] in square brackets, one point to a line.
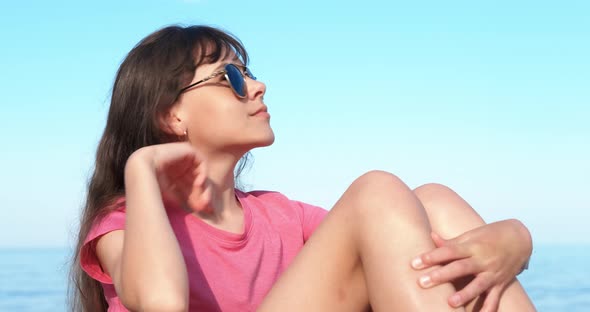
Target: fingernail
[417, 263]
[455, 300]
[425, 281]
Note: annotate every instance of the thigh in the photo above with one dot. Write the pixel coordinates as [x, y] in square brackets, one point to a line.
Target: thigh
[327, 274]
[362, 252]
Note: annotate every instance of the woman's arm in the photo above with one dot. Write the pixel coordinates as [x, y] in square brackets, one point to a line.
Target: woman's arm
[153, 273]
[145, 260]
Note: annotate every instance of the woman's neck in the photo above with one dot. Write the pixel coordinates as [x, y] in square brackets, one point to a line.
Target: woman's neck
[220, 178]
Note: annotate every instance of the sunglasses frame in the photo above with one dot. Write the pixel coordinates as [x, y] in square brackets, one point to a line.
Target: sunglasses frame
[245, 73]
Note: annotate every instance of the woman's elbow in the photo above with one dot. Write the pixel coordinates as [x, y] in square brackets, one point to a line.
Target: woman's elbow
[157, 302]
[159, 298]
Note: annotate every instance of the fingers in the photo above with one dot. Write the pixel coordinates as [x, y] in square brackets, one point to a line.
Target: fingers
[200, 194]
[476, 287]
[174, 169]
[448, 273]
[438, 241]
[199, 201]
[182, 171]
[180, 189]
[438, 256]
[492, 302]
[200, 174]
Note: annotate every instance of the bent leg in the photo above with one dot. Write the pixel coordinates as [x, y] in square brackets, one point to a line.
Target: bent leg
[360, 254]
[450, 216]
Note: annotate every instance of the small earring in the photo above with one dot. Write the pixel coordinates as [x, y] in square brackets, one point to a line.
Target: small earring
[184, 136]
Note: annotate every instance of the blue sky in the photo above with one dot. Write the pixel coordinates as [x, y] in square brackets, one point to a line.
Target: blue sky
[490, 98]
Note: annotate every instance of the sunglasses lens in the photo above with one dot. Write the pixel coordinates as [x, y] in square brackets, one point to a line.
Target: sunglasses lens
[236, 80]
[249, 74]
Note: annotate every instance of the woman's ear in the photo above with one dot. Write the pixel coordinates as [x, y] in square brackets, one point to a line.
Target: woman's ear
[171, 122]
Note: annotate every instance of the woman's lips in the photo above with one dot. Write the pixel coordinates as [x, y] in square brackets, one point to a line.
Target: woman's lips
[262, 114]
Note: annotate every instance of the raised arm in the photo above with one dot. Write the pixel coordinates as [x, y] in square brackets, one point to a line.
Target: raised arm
[145, 260]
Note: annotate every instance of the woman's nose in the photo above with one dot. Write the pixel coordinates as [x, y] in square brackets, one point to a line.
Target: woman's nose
[255, 88]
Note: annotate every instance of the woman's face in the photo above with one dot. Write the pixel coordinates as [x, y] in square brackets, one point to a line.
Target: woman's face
[216, 120]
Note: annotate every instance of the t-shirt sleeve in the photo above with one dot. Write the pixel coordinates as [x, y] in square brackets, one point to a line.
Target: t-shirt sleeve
[312, 216]
[113, 221]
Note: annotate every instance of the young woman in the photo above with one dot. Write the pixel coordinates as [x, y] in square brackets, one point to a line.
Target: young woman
[165, 229]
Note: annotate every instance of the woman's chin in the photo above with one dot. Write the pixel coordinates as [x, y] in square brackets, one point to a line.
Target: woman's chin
[259, 142]
[266, 142]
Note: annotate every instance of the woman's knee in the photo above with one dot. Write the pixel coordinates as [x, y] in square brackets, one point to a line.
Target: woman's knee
[435, 196]
[377, 183]
[434, 192]
[376, 179]
[441, 202]
[377, 190]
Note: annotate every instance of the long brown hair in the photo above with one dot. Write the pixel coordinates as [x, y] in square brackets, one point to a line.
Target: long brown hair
[146, 85]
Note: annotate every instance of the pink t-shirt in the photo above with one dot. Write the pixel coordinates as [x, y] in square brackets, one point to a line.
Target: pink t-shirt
[227, 271]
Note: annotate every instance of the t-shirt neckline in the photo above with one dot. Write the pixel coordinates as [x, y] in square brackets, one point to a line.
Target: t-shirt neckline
[224, 236]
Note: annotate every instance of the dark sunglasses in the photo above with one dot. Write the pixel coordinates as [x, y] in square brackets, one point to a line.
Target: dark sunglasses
[233, 74]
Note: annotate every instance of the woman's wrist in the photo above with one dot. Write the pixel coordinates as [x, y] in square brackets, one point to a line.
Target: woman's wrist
[140, 173]
[140, 158]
